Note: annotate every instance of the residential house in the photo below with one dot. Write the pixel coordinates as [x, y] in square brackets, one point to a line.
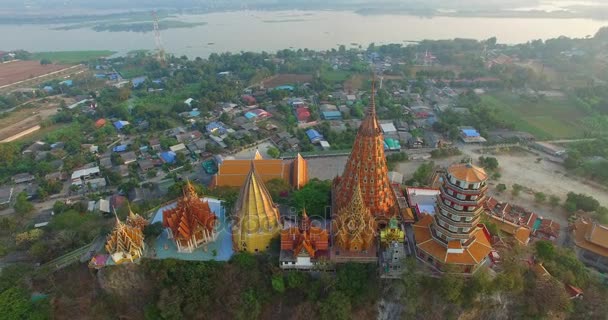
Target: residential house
[23, 178]
[154, 144]
[105, 162]
[34, 148]
[56, 176]
[82, 176]
[123, 170]
[145, 164]
[314, 136]
[128, 157]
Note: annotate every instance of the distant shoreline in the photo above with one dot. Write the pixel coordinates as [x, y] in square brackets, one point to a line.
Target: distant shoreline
[598, 13]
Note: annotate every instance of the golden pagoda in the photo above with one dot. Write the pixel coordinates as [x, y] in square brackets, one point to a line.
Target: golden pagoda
[354, 227]
[191, 223]
[256, 216]
[366, 168]
[135, 220]
[125, 243]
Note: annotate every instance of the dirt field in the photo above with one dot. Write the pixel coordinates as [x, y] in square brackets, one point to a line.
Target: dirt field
[285, 79]
[12, 72]
[25, 119]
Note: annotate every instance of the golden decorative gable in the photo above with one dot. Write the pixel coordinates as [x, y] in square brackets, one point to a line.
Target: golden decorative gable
[354, 227]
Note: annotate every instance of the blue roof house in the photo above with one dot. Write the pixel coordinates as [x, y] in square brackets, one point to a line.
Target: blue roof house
[120, 124]
[168, 157]
[138, 81]
[314, 135]
[120, 148]
[216, 127]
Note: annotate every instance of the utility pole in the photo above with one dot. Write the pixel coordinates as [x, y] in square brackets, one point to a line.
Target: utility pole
[160, 51]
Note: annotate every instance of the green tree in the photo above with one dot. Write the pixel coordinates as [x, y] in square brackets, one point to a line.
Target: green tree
[489, 163]
[273, 152]
[544, 250]
[314, 196]
[279, 189]
[554, 200]
[516, 189]
[278, 283]
[22, 205]
[337, 306]
[540, 197]
[501, 187]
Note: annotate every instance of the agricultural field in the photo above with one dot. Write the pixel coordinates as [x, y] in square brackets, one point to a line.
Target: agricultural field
[335, 75]
[71, 57]
[11, 72]
[286, 79]
[546, 118]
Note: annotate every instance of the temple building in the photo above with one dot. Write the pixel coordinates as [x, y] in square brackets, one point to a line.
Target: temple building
[591, 241]
[303, 246]
[453, 235]
[366, 168]
[256, 216]
[354, 231]
[392, 244]
[125, 243]
[190, 223]
[233, 173]
[135, 220]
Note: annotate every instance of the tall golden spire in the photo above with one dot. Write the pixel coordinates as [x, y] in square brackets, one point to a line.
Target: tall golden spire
[257, 217]
[366, 168]
[258, 155]
[372, 107]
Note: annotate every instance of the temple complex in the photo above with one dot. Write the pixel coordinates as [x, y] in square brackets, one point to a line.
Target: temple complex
[191, 223]
[354, 231]
[303, 246]
[256, 215]
[454, 235]
[125, 243]
[366, 168]
[233, 173]
[591, 241]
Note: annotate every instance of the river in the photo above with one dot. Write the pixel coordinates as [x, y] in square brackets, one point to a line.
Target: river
[274, 30]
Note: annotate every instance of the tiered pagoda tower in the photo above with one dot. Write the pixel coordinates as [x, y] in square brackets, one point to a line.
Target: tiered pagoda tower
[303, 245]
[354, 227]
[125, 243]
[366, 168]
[191, 223]
[256, 217]
[454, 235]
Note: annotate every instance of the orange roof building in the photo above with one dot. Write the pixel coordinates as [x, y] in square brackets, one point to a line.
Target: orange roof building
[233, 173]
[454, 236]
[256, 215]
[135, 220]
[125, 243]
[191, 223]
[591, 241]
[304, 245]
[366, 168]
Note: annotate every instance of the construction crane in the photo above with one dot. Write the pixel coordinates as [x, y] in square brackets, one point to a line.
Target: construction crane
[160, 51]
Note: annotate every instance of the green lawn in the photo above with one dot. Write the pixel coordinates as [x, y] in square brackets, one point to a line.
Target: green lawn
[71, 57]
[335, 76]
[546, 119]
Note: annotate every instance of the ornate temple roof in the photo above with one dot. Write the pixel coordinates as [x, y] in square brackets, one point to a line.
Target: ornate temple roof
[125, 242]
[591, 237]
[354, 227]
[135, 220]
[471, 253]
[468, 172]
[366, 167]
[189, 214]
[305, 237]
[256, 213]
[257, 155]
